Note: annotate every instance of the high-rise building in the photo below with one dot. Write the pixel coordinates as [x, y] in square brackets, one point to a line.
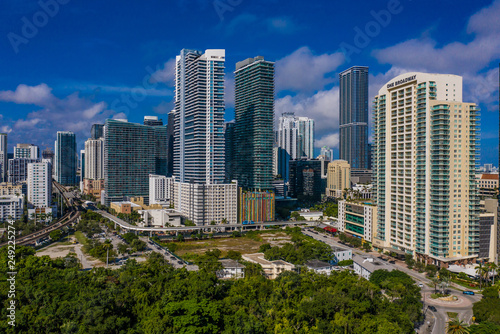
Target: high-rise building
[94, 159]
[338, 178]
[29, 151]
[160, 143]
[295, 139]
[66, 158]
[254, 118]
[153, 121]
[129, 157]
[353, 110]
[305, 180]
[3, 157]
[18, 169]
[39, 183]
[256, 206]
[327, 152]
[425, 153]
[170, 143]
[160, 189]
[97, 131]
[229, 150]
[11, 208]
[199, 116]
[82, 165]
[49, 155]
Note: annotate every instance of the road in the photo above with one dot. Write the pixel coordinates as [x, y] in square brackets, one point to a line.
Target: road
[172, 260]
[436, 320]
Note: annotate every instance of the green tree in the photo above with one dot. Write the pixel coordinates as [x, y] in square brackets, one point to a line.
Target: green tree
[55, 235]
[456, 326]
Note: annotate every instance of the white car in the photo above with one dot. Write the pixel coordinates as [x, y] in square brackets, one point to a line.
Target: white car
[420, 285]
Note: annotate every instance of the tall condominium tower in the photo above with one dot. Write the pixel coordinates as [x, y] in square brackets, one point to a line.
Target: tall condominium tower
[29, 151]
[199, 116]
[353, 110]
[66, 158]
[229, 150]
[424, 159]
[49, 155]
[97, 131]
[327, 152]
[93, 169]
[160, 143]
[170, 143]
[254, 117]
[129, 158]
[3, 157]
[39, 183]
[295, 139]
[18, 169]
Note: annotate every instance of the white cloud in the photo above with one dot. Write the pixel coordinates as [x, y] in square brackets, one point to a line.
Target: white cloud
[71, 113]
[283, 24]
[165, 74]
[163, 108]
[323, 107]
[302, 71]
[5, 129]
[331, 140]
[470, 60]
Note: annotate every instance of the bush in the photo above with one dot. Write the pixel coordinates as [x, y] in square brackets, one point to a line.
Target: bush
[345, 263]
[55, 235]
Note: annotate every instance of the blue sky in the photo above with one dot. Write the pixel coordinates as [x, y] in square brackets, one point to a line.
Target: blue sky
[90, 60]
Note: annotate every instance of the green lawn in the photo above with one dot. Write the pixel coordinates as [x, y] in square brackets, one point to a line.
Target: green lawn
[452, 315]
[81, 238]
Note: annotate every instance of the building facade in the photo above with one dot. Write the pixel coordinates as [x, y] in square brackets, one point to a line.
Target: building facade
[327, 152]
[129, 158]
[353, 107]
[3, 157]
[170, 143]
[28, 151]
[39, 184]
[487, 184]
[18, 169]
[425, 152]
[97, 131]
[11, 208]
[295, 140]
[229, 151]
[48, 154]
[9, 189]
[94, 159]
[207, 203]
[356, 219]
[66, 158]
[338, 178]
[254, 118]
[305, 180]
[256, 206]
[160, 189]
[199, 117]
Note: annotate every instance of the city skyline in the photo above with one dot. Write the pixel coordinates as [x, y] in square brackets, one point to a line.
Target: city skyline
[40, 97]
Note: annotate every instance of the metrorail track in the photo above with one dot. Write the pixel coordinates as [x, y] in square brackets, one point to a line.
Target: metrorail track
[65, 220]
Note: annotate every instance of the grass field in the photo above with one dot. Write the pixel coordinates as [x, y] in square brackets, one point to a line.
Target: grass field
[247, 244]
[81, 238]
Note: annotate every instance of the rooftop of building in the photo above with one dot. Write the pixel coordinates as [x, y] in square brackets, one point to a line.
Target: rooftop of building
[489, 177]
[259, 258]
[371, 264]
[229, 264]
[126, 202]
[317, 264]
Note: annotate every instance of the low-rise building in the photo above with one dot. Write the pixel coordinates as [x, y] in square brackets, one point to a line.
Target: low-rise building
[161, 217]
[11, 207]
[488, 230]
[487, 184]
[319, 267]
[10, 189]
[271, 268]
[43, 214]
[93, 187]
[357, 219]
[341, 254]
[365, 266]
[124, 207]
[232, 269]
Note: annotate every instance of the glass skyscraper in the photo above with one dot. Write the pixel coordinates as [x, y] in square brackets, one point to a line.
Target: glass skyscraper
[66, 158]
[129, 158]
[199, 116]
[96, 131]
[254, 116]
[3, 157]
[354, 116]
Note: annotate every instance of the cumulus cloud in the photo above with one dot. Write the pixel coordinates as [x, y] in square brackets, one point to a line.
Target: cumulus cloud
[163, 108]
[331, 140]
[470, 60]
[302, 71]
[71, 113]
[166, 74]
[323, 107]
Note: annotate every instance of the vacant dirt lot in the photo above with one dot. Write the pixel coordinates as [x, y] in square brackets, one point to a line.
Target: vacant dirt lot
[244, 245]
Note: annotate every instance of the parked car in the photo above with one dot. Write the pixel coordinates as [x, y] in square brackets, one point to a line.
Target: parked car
[420, 285]
[469, 293]
[432, 308]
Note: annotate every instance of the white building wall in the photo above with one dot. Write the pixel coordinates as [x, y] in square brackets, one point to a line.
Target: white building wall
[94, 159]
[39, 183]
[11, 207]
[160, 189]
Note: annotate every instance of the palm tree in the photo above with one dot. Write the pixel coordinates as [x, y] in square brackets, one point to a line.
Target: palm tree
[435, 282]
[493, 268]
[479, 272]
[456, 326]
[107, 246]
